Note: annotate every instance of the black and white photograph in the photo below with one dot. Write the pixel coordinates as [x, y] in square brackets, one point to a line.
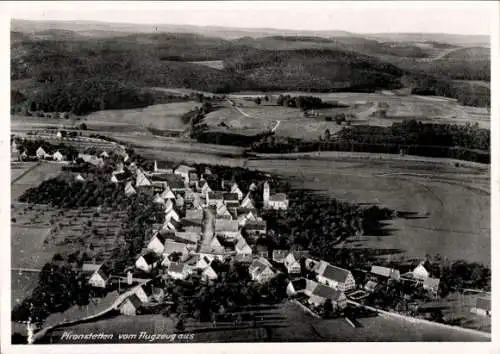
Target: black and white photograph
[248, 172]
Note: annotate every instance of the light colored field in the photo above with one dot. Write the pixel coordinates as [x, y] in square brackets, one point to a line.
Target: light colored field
[18, 168]
[22, 284]
[161, 116]
[32, 178]
[455, 201]
[214, 64]
[27, 247]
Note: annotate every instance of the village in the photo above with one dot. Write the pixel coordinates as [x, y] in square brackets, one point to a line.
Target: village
[210, 221]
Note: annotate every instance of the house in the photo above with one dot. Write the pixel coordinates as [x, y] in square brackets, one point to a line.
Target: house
[129, 190]
[188, 237]
[171, 214]
[178, 271]
[157, 243]
[301, 286]
[261, 270]
[335, 277]
[482, 306]
[222, 212]
[40, 153]
[91, 159]
[158, 200]
[158, 294]
[208, 274]
[277, 201]
[183, 171]
[385, 272]
[162, 167]
[214, 198]
[170, 225]
[256, 228]
[370, 286]
[143, 292]
[58, 156]
[79, 178]
[231, 200]
[167, 194]
[193, 179]
[104, 155]
[242, 247]
[130, 306]
[194, 214]
[176, 186]
[179, 200]
[322, 293]
[431, 285]
[245, 216]
[420, 272]
[252, 187]
[142, 180]
[292, 264]
[235, 189]
[227, 228]
[119, 168]
[98, 277]
[204, 188]
[118, 177]
[147, 262]
[59, 135]
[279, 256]
[171, 247]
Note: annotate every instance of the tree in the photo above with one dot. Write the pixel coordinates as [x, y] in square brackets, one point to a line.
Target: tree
[83, 126]
[328, 308]
[327, 135]
[258, 100]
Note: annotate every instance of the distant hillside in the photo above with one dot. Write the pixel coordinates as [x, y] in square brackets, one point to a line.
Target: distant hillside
[454, 39]
[470, 53]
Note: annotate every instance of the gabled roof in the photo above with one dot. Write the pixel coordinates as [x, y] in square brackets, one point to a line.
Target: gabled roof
[193, 177]
[384, 271]
[171, 247]
[209, 272]
[259, 225]
[177, 185]
[150, 258]
[142, 180]
[188, 236]
[158, 199]
[279, 255]
[222, 209]
[102, 274]
[184, 169]
[167, 194]
[252, 187]
[163, 165]
[370, 285]
[278, 197]
[176, 267]
[335, 273]
[129, 189]
[247, 202]
[160, 237]
[194, 214]
[162, 177]
[226, 225]
[326, 292]
[230, 197]
[90, 267]
[216, 195]
[134, 300]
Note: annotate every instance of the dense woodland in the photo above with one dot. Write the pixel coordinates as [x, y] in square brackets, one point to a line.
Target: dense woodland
[121, 65]
[467, 142]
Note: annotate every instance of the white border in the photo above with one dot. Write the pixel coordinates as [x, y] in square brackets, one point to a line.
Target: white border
[368, 347]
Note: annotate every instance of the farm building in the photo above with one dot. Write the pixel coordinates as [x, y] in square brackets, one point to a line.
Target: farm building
[208, 274]
[231, 200]
[143, 292]
[184, 171]
[142, 180]
[482, 307]
[420, 272]
[235, 189]
[188, 237]
[222, 212]
[178, 271]
[157, 243]
[98, 277]
[171, 247]
[130, 306]
[146, 262]
[58, 156]
[431, 285]
[79, 178]
[277, 201]
[385, 272]
[322, 293]
[129, 190]
[41, 153]
[292, 264]
[261, 270]
[335, 277]
[256, 227]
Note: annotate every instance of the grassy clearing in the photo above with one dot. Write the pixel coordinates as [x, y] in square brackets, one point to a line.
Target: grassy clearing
[32, 178]
[214, 64]
[162, 116]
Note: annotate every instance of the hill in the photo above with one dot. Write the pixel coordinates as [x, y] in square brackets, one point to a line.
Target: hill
[453, 39]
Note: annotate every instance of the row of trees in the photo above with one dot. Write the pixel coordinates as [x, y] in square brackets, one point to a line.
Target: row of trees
[305, 102]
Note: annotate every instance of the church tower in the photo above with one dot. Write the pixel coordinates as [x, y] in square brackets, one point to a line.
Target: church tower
[266, 193]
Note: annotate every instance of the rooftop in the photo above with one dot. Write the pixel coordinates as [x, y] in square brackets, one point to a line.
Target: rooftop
[335, 273]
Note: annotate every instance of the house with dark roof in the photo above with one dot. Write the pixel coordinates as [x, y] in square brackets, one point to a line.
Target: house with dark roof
[147, 262]
[227, 228]
[178, 271]
[184, 171]
[231, 200]
[432, 285]
[322, 293]
[119, 177]
[187, 236]
[279, 255]
[163, 167]
[130, 306]
[335, 277]
[292, 264]
[255, 227]
[214, 198]
[98, 277]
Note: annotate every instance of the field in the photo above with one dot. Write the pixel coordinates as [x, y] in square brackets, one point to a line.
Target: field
[22, 284]
[214, 64]
[28, 174]
[161, 116]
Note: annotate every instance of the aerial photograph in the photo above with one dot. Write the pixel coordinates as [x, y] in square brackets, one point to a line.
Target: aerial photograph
[216, 172]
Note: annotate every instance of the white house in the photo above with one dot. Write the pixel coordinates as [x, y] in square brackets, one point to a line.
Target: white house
[167, 194]
[335, 277]
[98, 278]
[261, 270]
[171, 214]
[79, 178]
[58, 156]
[40, 153]
[158, 200]
[129, 190]
[208, 274]
[242, 247]
[146, 262]
[292, 264]
[130, 306]
[222, 212]
[178, 271]
[236, 190]
[157, 243]
[420, 272]
[142, 180]
[162, 167]
[184, 171]
[143, 292]
[227, 228]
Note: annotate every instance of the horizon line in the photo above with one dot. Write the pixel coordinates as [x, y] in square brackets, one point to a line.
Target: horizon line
[254, 28]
